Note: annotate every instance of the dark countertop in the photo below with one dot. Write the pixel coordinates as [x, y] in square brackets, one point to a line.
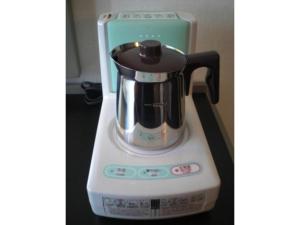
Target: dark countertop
[81, 124]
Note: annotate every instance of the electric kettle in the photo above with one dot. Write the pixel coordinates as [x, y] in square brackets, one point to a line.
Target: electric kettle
[152, 82]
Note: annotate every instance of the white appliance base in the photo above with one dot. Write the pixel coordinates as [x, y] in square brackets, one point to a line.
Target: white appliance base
[131, 185]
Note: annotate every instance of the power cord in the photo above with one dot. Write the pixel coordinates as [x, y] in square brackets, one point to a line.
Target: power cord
[93, 92]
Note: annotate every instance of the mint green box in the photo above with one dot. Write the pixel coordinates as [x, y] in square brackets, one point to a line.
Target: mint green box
[173, 32]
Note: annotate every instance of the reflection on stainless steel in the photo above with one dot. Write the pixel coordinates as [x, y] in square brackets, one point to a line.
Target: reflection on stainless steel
[151, 77]
[127, 46]
[150, 115]
[122, 145]
[151, 139]
[150, 105]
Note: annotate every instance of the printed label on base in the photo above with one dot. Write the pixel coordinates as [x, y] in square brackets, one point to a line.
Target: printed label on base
[154, 207]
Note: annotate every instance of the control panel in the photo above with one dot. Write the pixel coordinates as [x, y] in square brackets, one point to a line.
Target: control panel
[151, 172]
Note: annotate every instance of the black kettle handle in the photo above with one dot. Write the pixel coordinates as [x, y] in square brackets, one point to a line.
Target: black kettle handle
[211, 60]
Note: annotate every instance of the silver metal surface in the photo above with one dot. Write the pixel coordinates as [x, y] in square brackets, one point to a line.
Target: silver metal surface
[150, 115]
[150, 106]
[142, 76]
[162, 138]
[146, 77]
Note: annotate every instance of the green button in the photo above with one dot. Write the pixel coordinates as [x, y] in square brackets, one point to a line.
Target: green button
[153, 172]
[120, 171]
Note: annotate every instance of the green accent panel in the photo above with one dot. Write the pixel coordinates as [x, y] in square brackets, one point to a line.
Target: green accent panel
[171, 32]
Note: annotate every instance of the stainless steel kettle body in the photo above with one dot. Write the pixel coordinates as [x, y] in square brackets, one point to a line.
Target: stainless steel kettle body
[151, 105]
[150, 114]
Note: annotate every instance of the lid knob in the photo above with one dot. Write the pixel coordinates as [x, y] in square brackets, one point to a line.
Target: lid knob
[150, 49]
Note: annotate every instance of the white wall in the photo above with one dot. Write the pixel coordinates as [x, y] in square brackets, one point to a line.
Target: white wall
[215, 31]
